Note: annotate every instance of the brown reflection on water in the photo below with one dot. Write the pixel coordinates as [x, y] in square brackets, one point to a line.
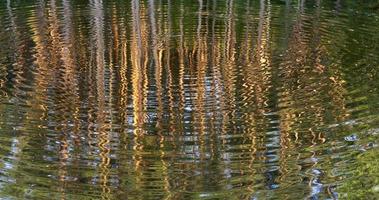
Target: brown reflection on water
[307, 85]
[160, 99]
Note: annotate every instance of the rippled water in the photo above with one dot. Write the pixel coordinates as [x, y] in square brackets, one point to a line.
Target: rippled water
[185, 99]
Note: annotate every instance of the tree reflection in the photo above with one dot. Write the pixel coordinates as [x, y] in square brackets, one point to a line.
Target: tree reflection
[180, 99]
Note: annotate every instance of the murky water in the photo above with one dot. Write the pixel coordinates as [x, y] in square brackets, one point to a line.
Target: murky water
[184, 99]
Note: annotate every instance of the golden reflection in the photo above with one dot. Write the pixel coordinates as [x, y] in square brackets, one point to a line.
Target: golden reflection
[303, 94]
[97, 14]
[157, 62]
[137, 55]
[161, 92]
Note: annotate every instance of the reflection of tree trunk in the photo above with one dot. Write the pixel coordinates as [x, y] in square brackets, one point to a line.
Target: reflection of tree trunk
[55, 59]
[157, 58]
[137, 55]
[228, 67]
[98, 40]
[41, 51]
[287, 115]
[201, 64]
[166, 172]
[68, 58]
[181, 53]
[261, 23]
[169, 72]
[228, 58]
[246, 56]
[263, 76]
[138, 92]
[124, 94]
[215, 91]
[12, 22]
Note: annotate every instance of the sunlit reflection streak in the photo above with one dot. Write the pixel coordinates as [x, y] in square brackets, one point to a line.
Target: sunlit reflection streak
[97, 14]
[228, 58]
[206, 83]
[247, 59]
[200, 83]
[169, 71]
[55, 60]
[288, 116]
[157, 61]
[227, 61]
[211, 87]
[69, 55]
[68, 72]
[181, 52]
[136, 55]
[167, 176]
[138, 89]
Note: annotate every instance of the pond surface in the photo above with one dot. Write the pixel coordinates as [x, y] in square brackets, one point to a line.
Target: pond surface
[184, 99]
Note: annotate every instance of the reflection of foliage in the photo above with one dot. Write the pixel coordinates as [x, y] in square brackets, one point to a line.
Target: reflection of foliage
[139, 167]
[364, 179]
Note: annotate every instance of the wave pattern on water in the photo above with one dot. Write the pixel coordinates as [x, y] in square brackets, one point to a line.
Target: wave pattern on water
[186, 99]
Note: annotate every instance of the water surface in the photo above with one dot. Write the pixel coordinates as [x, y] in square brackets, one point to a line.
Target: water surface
[185, 99]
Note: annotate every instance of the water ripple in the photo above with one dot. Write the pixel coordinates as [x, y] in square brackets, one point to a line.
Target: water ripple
[187, 99]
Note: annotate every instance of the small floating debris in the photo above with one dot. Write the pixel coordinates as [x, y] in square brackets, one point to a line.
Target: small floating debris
[351, 138]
